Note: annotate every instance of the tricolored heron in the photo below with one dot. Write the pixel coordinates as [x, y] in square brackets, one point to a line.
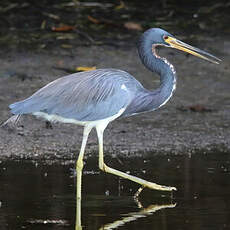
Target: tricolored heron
[95, 98]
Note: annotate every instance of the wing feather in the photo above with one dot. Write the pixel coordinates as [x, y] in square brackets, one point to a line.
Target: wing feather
[86, 96]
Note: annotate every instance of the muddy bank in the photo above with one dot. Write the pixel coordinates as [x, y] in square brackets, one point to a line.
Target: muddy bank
[174, 129]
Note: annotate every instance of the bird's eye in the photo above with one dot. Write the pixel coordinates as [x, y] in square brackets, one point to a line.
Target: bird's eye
[165, 37]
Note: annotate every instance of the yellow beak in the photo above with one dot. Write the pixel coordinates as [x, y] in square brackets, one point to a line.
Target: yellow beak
[177, 44]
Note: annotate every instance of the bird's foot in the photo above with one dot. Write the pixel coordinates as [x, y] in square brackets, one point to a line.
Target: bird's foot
[155, 186]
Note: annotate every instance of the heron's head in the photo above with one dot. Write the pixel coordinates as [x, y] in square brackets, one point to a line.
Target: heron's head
[161, 37]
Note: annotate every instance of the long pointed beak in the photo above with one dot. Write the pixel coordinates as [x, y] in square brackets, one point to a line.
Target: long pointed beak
[177, 44]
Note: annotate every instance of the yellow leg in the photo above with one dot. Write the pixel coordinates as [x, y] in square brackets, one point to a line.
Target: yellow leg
[105, 168]
[79, 167]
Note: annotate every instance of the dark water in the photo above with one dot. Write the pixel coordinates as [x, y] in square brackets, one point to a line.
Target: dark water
[41, 195]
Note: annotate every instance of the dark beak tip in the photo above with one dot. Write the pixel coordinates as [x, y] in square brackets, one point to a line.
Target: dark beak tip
[218, 61]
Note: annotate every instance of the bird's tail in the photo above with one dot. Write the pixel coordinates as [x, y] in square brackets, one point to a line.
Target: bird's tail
[11, 122]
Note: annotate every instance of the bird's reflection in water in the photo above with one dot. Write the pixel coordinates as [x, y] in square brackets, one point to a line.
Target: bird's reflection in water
[78, 225]
[133, 216]
[126, 218]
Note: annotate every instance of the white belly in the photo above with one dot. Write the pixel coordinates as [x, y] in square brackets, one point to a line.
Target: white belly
[56, 118]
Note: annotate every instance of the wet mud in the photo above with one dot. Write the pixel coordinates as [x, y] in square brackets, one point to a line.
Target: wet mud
[174, 128]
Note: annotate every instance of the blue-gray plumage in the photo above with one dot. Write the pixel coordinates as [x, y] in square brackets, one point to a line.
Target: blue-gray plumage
[95, 98]
[98, 94]
[85, 96]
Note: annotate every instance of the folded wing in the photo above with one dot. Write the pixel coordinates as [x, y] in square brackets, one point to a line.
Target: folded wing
[86, 96]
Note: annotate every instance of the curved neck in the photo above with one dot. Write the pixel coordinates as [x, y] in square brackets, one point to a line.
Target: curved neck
[166, 71]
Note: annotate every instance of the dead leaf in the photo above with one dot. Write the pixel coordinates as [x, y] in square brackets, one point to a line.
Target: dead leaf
[121, 6]
[102, 21]
[133, 26]
[85, 68]
[199, 108]
[93, 20]
[66, 46]
[63, 28]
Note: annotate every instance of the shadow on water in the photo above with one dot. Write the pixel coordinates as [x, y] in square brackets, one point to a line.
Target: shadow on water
[41, 195]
